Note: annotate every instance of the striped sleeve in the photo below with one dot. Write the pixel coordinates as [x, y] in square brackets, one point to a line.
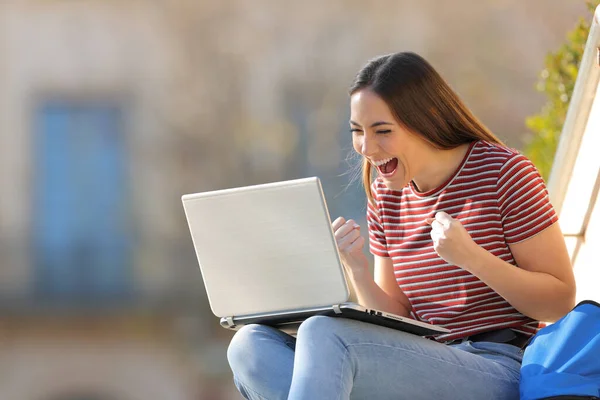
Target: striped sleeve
[523, 200]
[377, 242]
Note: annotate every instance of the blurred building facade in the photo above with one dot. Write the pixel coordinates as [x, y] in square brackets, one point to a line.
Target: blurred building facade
[111, 110]
[101, 295]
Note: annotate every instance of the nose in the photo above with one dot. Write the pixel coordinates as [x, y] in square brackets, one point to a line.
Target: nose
[368, 146]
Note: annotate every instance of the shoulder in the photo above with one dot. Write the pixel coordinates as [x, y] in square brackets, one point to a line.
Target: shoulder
[493, 152]
[500, 158]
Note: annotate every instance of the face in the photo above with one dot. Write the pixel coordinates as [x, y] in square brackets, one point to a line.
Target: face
[390, 148]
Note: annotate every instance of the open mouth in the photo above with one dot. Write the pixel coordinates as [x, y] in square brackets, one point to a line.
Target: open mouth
[387, 167]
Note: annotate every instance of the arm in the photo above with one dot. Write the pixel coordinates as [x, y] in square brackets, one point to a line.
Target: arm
[383, 292]
[543, 287]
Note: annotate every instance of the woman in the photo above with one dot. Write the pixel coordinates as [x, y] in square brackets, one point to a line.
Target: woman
[463, 236]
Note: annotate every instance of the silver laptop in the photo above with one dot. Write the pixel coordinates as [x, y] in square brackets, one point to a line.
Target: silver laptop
[268, 255]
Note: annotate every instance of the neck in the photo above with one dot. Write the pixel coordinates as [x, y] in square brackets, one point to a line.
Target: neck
[437, 166]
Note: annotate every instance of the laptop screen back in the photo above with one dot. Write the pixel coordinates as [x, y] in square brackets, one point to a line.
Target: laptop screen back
[266, 248]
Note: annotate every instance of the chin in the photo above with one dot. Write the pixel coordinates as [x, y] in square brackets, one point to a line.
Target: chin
[394, 185]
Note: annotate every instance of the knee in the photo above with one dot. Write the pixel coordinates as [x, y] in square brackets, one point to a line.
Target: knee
[322, 340]
[242, 346]
[320, 327]
[261, 359]
[252, 346]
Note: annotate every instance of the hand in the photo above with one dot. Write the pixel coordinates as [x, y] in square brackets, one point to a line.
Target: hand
[350, 245]
[451, 241]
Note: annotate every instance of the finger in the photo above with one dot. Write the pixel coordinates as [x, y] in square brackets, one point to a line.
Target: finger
[346, 228]
[437, 231]
[348, 239]
[435, 235]
[429, 220]
[356, 245]
[339, 221]
[444, 218]
[437, 226]
[352, 223]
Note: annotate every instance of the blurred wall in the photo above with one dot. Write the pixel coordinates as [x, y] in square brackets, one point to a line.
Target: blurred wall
[211, 94]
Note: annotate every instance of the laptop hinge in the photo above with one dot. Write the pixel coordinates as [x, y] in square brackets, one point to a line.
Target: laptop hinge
[230, 323]
[336, 309]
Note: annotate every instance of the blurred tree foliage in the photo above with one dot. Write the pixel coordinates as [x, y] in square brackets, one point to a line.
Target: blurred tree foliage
[557, 81]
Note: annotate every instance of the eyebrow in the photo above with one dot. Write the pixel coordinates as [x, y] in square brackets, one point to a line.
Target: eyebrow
[374, 124]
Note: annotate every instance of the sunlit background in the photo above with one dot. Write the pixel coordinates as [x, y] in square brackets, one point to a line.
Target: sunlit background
[111, 110]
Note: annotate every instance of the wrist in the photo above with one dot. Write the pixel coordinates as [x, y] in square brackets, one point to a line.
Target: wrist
[479, 258]
[357, 273]
[476, 259]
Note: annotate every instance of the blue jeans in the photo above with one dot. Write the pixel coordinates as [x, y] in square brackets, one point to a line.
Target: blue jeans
[338, 358]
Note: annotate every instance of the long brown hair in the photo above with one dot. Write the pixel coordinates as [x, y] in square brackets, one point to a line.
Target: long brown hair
[420, 100]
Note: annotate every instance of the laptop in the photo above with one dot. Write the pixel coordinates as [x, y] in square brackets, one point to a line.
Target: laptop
[267, 254]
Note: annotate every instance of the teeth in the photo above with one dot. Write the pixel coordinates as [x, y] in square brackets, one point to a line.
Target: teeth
[381, 162]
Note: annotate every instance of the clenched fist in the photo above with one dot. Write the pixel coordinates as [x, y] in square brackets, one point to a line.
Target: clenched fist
[451, 241]
[350, 245]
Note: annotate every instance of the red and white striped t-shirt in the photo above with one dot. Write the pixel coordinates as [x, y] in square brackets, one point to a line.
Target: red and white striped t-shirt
[500, 198]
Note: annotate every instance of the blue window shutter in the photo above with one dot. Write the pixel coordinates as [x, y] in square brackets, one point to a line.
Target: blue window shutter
[81, 225]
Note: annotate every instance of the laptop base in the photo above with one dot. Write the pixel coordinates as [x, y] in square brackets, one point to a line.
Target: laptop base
[289, 321]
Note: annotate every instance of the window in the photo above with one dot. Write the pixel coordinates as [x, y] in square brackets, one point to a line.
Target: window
[81, 229]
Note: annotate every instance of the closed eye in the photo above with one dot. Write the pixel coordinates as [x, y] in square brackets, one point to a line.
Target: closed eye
[384, 131]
